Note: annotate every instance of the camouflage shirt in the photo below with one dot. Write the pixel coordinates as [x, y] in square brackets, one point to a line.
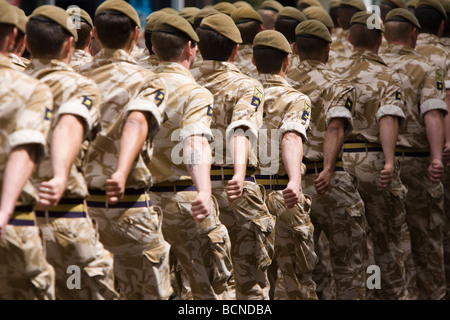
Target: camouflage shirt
[17, 62]
[125, 88]
[25, 112]
[188, 112]
[244, 61]
[72, 94]
[79, 58]
[446, 42]
[341, 47]
[150, 62]
[238, 103]
[331, 97]
[431, 47]
[285, 109]
[379, 93]
[423, 92]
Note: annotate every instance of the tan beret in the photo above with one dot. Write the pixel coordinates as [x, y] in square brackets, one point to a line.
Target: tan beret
[334, 3]
[223, 24]
[58, 15]
[244, 14]
[271, 39]
[435, 4]
[411, 3]
[318, 13]
[446, 5]
[313, 28]
[169, 10]
[402, 15]
[395, 3]
[271, 5]
[362, 17]
[152, 18]
[120, 6]
[358, 4]
[309, 3]
[224, 7]
[239, 4]
[85, 17]
[22, 19]
[8, 14]
[189, 13]
[175, 24]
[293, 13]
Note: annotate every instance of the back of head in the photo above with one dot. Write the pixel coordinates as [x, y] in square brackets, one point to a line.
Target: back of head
[249, 23]
[398, 25]
[388, 5]
[149, 26]
[84, 24]
[270, 49]
[218, 35]
[287, 20]
[268, 11]
[347, 9]
[312, 38]
[115, 20]
[8, 21]
[430, 14]
[47, 30]
[363, 37]
[318, 13]
[203, 13]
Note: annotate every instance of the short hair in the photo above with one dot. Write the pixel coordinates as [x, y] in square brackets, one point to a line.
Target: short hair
[397, 30]
[45, 38]
[5, 29]
[148, 41]
[213, 45]
[114, 29]
[287, 26]
[384, 9]
[429, 19]
[268, 60]
[310, 47]
[363, 37]
[249, 30]
[334, 15]
[84, 36]
[169, 46]
[268, 16]
[345, 14]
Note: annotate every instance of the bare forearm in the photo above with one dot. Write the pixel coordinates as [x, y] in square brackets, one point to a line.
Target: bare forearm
[388, 137]
[292, 153]
[240, 146]
[447, 129]
[435, 130]
[332, 144]
[198, 162]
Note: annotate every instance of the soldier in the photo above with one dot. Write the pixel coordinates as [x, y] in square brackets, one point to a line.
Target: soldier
[369, 152]
[19, 47]
[337, 207]
[148, 59]
[191, 222]
[303, 4]
[340, 45]
[387, 5]
[286, 121]
[411, 5]
[83, 21]
[25, 109]
[224, 7]
[117, 160]
[287, 20]
[333, 12]
[68, 231]
[237, 117]
[419, 150]
[249, 23]
[189, 13]
[268, 12]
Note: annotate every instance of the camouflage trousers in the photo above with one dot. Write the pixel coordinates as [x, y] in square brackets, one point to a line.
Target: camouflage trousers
[201, 249]
[131, 231]
[385, 214]
[446, 183]
[25, 274]
[71, 241]
[339, 213]
[294, 247]
[251, 230]
[426, 223]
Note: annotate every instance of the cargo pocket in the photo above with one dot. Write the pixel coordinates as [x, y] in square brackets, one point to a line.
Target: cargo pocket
[305, 256]
[396, 214]
[436, 206]
[220, 266]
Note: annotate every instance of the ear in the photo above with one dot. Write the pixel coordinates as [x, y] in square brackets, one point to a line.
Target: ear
[339, 22]
[295, 48]
[441, 28]
[11, 39]
[95, 33]
[253, 60]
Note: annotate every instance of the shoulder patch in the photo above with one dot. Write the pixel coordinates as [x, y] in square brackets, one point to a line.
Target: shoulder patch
[398, 95]
[349, 104]
[257, 97]
[87, 102]
[159, 97]
[48, 114]
[439, 81]
[209, 111]
[306, 112]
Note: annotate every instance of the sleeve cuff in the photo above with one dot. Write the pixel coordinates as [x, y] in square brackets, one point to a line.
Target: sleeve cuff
[79, 110]
[251, 132]
[293, 126]
[146, 106]
[341, 112]
[391, 110]
[433, 104]
[24, 137]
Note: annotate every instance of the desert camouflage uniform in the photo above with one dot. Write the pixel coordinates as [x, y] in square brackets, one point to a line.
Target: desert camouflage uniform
[150, 62]
[340, 211]
[17, 62]
[68, 230]
[244, 61]
[423, 92]
[340, 49]
[238, 102]
[286, 110]
[202, 249]
[130, 229]
[25, 111]
[80, 58]
[378, 93]
[437, 50]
